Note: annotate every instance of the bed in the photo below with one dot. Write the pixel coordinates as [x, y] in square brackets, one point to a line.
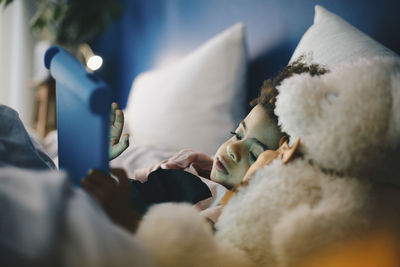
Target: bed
[196, 99]
[55, 223]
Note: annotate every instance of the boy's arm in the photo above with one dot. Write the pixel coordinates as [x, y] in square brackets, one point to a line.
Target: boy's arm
[196, 163]
[117, 144]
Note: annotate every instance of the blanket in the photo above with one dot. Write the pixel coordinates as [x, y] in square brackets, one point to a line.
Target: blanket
[45, 220]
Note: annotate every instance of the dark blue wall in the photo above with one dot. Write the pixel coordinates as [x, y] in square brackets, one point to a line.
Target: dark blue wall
[154, 32]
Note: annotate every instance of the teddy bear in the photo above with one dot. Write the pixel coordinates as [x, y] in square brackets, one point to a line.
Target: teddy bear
[342, 185]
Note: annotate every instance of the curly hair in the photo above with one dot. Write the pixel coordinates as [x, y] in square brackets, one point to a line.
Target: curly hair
[269, 92]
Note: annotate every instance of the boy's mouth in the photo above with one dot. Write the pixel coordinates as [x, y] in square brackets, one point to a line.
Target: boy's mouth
[220, 165]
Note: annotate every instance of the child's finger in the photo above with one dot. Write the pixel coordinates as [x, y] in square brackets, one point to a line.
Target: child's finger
[119, 120]
[116, 127]
[117, 149]
[114, 137]
[114, 107]
[125, 139]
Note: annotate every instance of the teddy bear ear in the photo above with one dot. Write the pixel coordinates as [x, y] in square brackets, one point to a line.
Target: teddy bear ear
[345, 116]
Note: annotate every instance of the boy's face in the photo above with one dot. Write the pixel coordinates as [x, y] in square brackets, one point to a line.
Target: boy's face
[255, 134]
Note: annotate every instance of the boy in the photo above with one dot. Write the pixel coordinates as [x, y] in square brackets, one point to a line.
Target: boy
[257, 133]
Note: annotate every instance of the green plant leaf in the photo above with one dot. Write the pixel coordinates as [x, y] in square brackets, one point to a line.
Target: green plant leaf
[7, 2]
[73, 21]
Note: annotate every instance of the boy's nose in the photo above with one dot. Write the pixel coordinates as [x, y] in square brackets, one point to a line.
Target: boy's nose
[234, 151]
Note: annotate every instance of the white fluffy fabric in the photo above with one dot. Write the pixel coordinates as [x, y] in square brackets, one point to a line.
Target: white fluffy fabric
[345, 118]
[176, 235]
[287, 211]
[349, 123]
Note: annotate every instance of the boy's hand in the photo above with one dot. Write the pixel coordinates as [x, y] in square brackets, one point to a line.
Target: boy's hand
[117, 146]
[113, 194]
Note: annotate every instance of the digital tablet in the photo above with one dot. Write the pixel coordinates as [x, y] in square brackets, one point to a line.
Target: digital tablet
[83, 106]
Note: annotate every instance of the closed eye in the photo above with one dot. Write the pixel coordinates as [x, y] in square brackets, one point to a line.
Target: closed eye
[253, 157]
[238, 137]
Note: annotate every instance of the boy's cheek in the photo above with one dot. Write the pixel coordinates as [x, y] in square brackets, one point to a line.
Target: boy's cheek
[222, 149]
[231, 181]
[240, 173]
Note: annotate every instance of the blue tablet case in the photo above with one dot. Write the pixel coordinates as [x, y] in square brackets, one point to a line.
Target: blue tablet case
[83, 107]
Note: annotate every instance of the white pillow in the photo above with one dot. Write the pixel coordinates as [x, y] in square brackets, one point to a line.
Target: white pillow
[331, 40]
[195, 102]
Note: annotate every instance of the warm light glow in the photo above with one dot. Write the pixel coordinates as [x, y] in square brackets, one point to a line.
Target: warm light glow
[94, 62]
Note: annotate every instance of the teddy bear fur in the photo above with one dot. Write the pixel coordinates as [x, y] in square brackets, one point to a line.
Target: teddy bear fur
[343, 187]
